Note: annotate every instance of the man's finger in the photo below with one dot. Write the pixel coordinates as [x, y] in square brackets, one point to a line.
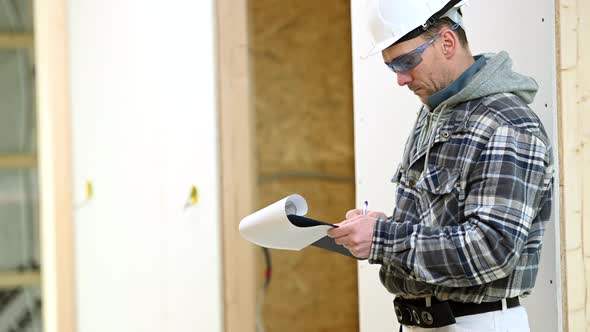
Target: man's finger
[337, 232]
[353, 213]
[343, 241]
[351, 220]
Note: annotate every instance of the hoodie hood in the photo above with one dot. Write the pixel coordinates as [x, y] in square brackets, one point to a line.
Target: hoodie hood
[496, 77]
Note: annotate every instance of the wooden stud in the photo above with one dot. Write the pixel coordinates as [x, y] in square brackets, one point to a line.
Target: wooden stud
[55, 165]
[16, 40]
[573, 49]
[583, 141]
[562, 237]
[19, 279]
[16, 161]
[237, 148]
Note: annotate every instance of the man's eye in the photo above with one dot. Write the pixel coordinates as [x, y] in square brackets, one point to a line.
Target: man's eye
[405, 61]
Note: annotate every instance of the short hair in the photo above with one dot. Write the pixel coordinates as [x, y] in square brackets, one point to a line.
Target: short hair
[446, 22]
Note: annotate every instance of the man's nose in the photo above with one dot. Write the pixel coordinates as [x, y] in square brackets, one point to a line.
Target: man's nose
[403, 78]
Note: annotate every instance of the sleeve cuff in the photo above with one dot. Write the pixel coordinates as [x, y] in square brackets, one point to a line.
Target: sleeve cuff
[391, 245]
[376, 254]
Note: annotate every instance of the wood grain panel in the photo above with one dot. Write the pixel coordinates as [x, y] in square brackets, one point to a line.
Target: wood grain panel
[55, 166]
[303, 89]
[574, 150]
[312, 289]
[304, 123]
[237, 148]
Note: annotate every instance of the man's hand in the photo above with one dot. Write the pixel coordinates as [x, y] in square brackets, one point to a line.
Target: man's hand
[356, 232]
[359, 212]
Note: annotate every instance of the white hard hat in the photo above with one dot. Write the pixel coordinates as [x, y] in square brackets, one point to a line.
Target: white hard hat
[391, 20]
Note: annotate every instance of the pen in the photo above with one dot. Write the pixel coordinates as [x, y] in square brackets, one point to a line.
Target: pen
[365, 206]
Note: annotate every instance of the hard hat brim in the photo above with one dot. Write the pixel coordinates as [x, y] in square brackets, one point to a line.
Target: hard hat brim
[381, 46]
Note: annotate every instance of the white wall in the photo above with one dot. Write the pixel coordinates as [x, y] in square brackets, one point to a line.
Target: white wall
[144, 131]
[384, 114]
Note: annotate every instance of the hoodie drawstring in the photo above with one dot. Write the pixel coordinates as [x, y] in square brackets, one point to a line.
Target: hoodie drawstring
[408, 148]
[432, 136]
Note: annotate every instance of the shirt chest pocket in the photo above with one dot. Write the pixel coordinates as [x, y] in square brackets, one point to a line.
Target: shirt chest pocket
[441, 196]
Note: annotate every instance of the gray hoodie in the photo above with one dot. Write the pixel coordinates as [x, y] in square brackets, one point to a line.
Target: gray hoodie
[496, 77]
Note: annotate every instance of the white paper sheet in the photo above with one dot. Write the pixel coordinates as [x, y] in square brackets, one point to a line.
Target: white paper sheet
[270, 227]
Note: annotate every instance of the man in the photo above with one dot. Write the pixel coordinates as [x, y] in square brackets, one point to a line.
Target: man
[474, 189]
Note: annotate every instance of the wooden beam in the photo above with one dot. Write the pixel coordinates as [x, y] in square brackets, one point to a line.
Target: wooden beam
[237, 148]
[13, 40]
[55, 165]
[19, 279]
[15, 161]
[562, 226]
[574, 149]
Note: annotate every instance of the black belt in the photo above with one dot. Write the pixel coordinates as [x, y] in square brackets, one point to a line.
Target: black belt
[415, 312]
[464, 309]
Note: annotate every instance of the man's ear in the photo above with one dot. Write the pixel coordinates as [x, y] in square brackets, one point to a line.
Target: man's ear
[449, 43]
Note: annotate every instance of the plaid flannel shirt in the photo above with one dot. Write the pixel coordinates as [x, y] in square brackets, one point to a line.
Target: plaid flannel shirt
[469, 226]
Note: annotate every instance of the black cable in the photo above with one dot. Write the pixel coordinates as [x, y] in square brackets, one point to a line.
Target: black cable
[262, 294]
[268, 270]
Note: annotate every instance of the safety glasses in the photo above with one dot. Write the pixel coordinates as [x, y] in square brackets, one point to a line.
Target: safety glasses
[410, 60]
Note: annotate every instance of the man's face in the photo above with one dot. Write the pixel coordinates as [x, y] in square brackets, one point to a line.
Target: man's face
[426, 78]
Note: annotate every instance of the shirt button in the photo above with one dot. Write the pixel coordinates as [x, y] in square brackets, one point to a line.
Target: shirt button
[412, 183]
[445, 134]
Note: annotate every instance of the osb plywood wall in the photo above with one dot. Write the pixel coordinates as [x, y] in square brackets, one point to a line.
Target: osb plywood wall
[574, 93]
[302, 88]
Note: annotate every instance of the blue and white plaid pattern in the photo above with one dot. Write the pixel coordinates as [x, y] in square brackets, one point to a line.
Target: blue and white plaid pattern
[469, 226]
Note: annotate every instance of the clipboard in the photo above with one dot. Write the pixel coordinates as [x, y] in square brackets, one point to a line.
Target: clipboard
[326, 243]
[283, 225]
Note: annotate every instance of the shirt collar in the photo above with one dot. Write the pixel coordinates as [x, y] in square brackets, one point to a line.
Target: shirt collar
[440, 96]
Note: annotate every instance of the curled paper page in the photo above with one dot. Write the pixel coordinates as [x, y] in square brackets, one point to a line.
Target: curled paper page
[270, 227]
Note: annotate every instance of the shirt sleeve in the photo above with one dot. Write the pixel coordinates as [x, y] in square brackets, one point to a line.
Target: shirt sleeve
[504, 194]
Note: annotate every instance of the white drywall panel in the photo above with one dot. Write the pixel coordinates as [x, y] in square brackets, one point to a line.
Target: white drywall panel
[384, 114]
[144, 131]
[190, 157]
